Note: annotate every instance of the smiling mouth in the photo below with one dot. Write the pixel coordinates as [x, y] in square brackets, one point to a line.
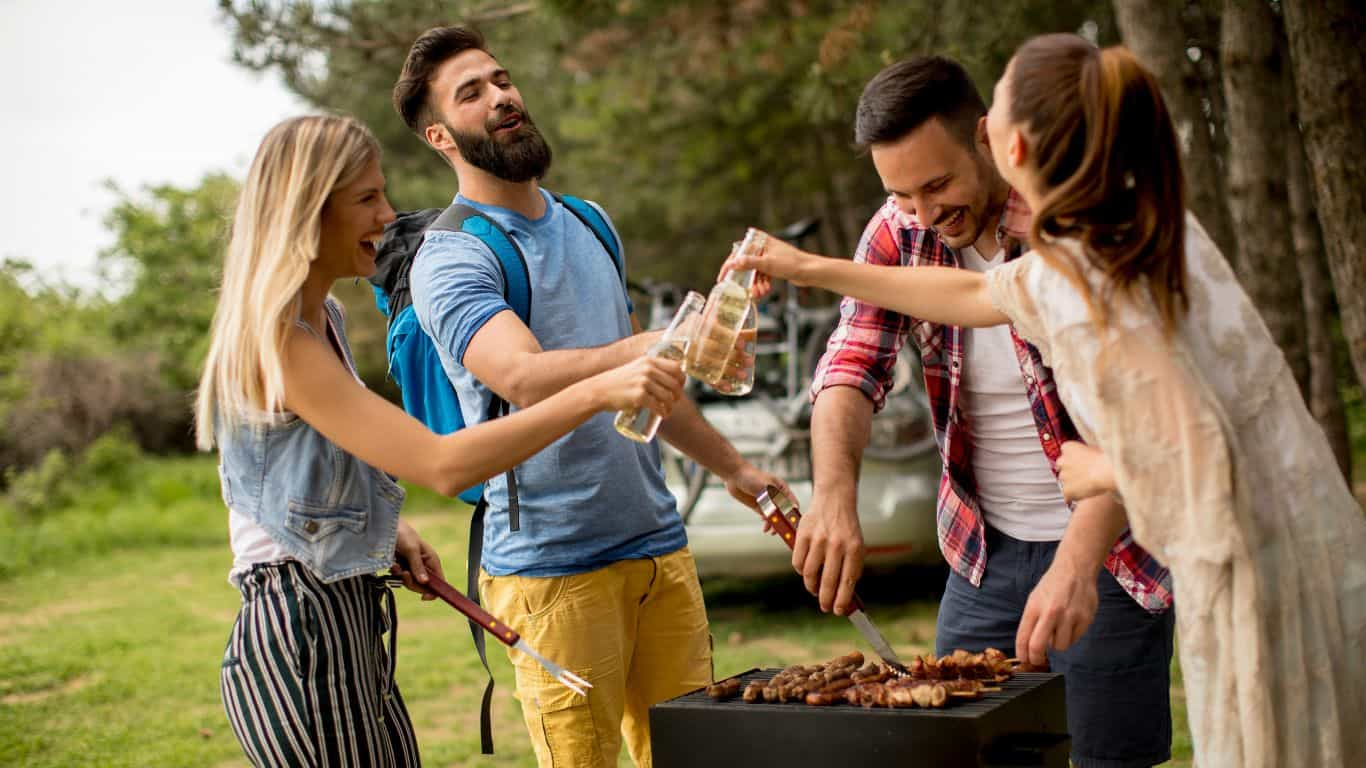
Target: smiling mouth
[952, 221]
[510, 123]
[370, 246]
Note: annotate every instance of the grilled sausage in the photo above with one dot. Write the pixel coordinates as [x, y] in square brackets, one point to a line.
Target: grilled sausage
[754, 692]
[726, 689]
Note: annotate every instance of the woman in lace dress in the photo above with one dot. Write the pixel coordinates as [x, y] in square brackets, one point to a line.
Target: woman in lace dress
[1166, 367]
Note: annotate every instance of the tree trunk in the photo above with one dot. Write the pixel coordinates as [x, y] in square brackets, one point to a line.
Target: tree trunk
[1155, 32]
[1257, 126]
[1329, 58]
[1325, 401]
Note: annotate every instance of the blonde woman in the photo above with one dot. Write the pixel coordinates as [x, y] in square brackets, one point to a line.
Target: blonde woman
[307, 453]
[1166, 367]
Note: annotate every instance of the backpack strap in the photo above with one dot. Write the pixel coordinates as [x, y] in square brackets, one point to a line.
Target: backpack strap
[472, 563]
[597, 224]
[516, 276]
[516, 289]
[476, 549]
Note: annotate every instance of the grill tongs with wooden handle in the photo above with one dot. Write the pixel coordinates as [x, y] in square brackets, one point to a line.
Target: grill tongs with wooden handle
[505, 634]
[780, 510]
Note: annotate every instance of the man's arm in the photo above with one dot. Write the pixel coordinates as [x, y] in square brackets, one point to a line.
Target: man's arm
[1064, 601]
[458, 297]
[829, 550]
[849, 385]
[689, 432]
[507, 358]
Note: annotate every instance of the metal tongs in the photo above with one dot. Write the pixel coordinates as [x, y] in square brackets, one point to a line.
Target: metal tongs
[505, 634]
[780, 510]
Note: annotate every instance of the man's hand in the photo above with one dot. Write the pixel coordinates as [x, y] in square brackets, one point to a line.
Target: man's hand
[829, 550]
[414, 559]
[748, 482]
[1063, 603]
[1084, 472]
[1058, 611]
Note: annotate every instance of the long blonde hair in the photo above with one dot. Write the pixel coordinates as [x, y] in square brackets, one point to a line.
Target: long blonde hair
[275, 238]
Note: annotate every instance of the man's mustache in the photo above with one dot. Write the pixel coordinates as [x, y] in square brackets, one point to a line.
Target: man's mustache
[504, 114]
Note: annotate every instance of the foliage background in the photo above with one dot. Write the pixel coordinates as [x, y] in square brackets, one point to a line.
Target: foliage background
[688, 120]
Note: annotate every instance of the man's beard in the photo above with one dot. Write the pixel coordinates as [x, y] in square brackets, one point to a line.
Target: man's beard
[523, 157]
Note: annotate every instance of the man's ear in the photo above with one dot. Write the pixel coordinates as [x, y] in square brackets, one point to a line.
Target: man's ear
[438, 137]
[982, 140]
[1017, 149]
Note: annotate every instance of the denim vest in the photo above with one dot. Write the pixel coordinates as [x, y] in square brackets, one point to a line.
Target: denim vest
[328, 509]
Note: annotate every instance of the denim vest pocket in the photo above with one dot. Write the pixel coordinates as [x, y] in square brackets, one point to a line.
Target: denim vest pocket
[315, 522]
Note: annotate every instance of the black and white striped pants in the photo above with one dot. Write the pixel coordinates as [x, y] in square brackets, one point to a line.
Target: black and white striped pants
[307, 680]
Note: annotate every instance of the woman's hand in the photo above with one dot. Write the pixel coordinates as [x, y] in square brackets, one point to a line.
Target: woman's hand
[414, 559]
[1084, 472]
[774, 259]
[647, 382]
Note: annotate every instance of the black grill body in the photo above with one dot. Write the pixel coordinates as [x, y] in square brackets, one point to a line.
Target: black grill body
[1025, 724]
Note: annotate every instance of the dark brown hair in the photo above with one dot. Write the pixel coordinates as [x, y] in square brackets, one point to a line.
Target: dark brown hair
[433, 48]
[1109, 167]
[906, 94]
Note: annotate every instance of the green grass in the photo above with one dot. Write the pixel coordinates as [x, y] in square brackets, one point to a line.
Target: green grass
[113, 617]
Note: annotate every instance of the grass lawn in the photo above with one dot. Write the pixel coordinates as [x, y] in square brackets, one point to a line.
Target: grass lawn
[109, 654]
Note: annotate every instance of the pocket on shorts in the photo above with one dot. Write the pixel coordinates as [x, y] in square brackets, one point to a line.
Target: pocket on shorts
[563, 728]
[538, 596]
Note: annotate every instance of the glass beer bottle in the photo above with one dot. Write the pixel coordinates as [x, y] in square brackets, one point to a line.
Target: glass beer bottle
[722, 319]
[738, 378]
[641, 424]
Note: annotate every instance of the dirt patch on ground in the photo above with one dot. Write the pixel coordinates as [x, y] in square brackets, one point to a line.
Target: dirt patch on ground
[45, 615]
[63, 689]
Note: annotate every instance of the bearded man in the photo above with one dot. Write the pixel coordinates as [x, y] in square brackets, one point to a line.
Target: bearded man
[597, 572]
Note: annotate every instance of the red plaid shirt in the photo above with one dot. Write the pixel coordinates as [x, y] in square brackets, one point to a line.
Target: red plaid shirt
[863, 349]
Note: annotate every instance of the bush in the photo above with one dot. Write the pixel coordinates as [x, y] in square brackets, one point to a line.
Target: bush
[57, 482]
[45, 486]
[113, 498]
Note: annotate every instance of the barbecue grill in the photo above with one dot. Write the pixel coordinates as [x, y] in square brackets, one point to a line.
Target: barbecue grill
[1023, 724]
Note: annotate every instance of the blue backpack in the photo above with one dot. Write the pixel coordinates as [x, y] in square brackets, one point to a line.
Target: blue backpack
[416, 368]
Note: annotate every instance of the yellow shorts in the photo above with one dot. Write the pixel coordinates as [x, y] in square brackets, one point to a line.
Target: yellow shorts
[636, 630]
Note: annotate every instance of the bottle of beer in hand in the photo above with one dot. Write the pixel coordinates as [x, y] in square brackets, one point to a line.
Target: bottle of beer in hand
[641, 424]
[722, 321]
[738, 378]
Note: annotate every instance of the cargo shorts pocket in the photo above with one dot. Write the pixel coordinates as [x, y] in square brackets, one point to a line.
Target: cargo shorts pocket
[562, 723]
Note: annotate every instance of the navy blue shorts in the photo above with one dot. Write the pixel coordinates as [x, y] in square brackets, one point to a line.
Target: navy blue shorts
[1117, 675]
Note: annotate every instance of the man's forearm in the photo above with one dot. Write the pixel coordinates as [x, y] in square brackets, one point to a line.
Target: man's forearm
[542, 374]
[1091, 533]
[689, 432]
[841, 422]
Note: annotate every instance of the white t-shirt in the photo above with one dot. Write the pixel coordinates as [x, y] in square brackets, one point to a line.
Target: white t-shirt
[1016, 489]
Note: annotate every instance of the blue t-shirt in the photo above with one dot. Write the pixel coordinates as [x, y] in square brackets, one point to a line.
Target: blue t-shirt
[592, 497]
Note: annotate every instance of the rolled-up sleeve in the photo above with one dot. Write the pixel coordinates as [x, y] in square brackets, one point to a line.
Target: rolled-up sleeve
[457, 288]
[862, 350]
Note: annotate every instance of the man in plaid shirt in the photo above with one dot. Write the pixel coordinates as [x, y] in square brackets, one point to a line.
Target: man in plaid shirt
[1065, 585]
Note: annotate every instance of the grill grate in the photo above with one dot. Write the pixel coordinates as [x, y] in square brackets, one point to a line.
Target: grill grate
[1021, 683]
